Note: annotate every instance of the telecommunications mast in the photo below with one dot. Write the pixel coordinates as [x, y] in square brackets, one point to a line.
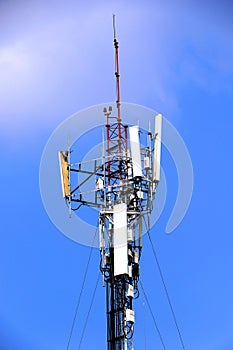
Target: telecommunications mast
[126, 177]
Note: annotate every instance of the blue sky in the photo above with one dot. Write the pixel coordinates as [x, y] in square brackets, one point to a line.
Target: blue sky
[57, 58]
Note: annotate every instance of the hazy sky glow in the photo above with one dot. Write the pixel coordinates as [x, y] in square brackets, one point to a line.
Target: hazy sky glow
[60, 53]
[57, 58]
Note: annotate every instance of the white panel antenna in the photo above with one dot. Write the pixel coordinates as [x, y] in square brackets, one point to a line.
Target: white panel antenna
[135, 150]
[120, 239]
[157, 148]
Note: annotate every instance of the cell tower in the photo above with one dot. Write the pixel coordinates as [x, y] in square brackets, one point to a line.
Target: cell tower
[125, 181]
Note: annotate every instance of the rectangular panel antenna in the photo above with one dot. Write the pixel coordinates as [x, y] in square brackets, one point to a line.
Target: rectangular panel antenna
[157, 148]
[64, 170]
[120, 239]
[135, 150]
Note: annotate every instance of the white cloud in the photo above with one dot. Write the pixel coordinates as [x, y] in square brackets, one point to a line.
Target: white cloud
[62, 59]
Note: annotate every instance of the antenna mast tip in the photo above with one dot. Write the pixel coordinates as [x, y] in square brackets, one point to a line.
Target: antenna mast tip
[114, 25]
